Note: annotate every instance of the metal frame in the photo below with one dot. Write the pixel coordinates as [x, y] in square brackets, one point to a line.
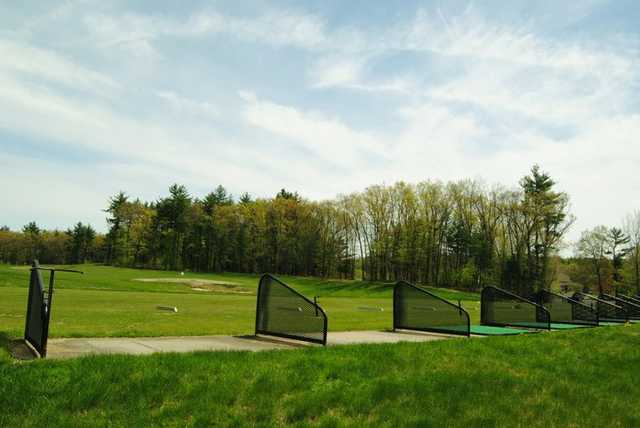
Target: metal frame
[632, 299]
[574, 304]
[36, 285]
[318, 309]
[633, 309]
[396, 315]
[484, 308]
[601, 304]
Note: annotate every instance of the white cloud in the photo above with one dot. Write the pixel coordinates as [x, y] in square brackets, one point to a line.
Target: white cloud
[336, 71]
[469, 35]
[22, 59]
[481, 49]
[330, 139]
[281, 28]
[490, 106]
[193, 152]
[189, 107]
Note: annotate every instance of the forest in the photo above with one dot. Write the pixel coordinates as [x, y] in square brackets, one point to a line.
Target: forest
[460, 234]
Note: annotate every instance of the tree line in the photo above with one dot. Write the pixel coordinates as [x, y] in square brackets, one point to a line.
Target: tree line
[79, 244]
[459, 234]
[607, 259]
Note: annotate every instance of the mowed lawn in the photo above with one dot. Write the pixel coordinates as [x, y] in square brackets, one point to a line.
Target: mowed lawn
[580, 378]
[108, 301]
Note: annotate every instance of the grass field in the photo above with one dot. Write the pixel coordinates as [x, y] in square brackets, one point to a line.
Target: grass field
[108, 301]
[582, 378]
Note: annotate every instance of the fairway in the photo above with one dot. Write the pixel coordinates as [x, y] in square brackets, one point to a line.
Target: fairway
[112, 302]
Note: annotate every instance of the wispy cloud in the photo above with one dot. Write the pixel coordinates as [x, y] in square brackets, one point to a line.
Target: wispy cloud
[330, 139]
[21, 59]
[329, 102]
[186, 106]
[281, 28]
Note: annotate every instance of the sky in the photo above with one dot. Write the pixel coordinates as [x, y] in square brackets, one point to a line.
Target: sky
[320, 97]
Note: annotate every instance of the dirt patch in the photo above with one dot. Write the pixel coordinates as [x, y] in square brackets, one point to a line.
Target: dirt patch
[20, 351]
[203, 285]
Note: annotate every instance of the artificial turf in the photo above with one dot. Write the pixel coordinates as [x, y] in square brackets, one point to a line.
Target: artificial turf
[488, 330]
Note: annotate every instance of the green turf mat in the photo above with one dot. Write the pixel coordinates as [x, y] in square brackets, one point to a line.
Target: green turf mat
[486, 330]
[561, 326]
[607, 323]
[536, 325]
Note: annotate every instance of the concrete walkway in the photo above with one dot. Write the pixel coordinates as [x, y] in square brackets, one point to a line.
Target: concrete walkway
[69, 348]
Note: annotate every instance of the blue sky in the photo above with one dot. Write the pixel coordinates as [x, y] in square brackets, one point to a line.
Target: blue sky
[321, 97]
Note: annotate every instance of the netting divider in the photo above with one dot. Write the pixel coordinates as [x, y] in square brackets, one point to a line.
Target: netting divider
[319, 312]
[540, 311]
[632, 299]
[36, 324]
[576, 306]
[397, 314]
[603, 305]
[633, 309]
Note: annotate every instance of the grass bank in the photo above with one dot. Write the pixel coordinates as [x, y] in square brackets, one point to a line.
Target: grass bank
[585, 378]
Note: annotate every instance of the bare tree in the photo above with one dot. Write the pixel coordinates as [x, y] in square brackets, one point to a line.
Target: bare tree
[594, 245]
[631, 227]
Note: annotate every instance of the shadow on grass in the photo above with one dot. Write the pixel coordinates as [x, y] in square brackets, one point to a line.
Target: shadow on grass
[11, 347]
[4, 340]
[5, 352]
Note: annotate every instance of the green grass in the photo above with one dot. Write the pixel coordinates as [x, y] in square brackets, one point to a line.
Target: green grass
[107, 301]
[580, 378]
[110, 278]
[584, 377]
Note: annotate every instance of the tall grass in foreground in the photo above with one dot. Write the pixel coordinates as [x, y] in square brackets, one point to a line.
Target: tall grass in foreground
[585, 378]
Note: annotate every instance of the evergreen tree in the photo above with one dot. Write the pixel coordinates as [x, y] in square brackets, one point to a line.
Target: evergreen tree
[115, 222]
[619, 248]
[545, 222]
[32, 233]
[172, 218]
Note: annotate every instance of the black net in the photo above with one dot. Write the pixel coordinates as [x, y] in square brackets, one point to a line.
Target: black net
[563, 309]
[417, 309]
[282, 311]
[632, 299]
[37, 321]
[501, 308]
[632, 309]
[607, 311]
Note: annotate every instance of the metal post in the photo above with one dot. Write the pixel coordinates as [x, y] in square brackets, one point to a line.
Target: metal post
[47, 312]
[29, 308]
[46, 304]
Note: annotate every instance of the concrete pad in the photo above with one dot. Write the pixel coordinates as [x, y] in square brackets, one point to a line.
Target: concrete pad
[69, 348]
[355, 337]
